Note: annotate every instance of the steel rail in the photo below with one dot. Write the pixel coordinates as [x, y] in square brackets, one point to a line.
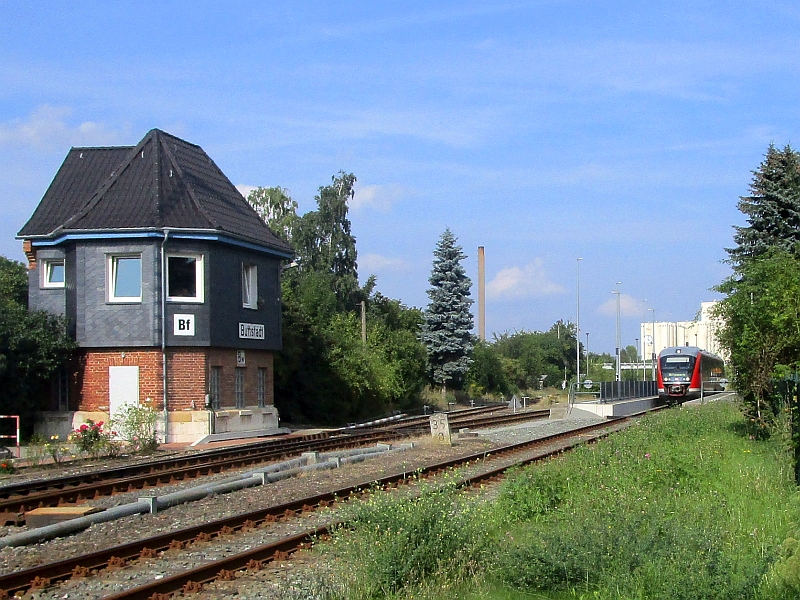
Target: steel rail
[16, 499]
[44, 575]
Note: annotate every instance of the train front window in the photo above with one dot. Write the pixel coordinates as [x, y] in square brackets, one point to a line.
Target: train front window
[677, 365]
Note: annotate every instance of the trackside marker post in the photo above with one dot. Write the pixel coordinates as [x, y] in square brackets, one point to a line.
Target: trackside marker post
[440, 428]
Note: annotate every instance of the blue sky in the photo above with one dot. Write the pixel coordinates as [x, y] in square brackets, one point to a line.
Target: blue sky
[622, 133]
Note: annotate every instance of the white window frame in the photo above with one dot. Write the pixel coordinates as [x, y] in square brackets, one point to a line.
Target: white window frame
[47, 271]
[250, 286]
[111, 272]
[199, 274]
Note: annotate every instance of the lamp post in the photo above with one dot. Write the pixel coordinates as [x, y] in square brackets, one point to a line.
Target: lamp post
[653, 354]
[637, 358]
[578, 321]
[619, 342]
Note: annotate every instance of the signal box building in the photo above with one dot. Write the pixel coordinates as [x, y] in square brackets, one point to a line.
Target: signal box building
[169, 281]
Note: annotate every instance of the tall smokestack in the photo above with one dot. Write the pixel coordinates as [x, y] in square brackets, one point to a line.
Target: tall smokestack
[481, 294]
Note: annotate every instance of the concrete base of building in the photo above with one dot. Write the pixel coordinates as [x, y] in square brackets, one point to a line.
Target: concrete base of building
[183, 426]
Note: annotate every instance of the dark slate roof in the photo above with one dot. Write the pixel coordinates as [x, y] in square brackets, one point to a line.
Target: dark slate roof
[163, 182]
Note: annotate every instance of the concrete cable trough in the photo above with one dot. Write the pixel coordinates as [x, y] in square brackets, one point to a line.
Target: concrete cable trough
[311, 461]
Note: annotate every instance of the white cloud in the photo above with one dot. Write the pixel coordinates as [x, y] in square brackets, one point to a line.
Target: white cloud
[523, 282]
[370, 263]
[47, 128]
[628, 307]
[380, 197]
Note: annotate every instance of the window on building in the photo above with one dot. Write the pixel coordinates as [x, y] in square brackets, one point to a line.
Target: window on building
[213, 386]
[185, 277]
[250, 286]
[238, 386]
[53, 275]
[125, 278]
[262, 387]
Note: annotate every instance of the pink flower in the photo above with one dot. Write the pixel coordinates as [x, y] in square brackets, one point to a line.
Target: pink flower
[84, 427]
[647, 455]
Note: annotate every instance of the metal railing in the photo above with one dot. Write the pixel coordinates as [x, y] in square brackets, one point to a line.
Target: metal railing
[625, 390]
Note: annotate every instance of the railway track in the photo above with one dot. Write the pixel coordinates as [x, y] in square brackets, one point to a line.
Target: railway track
[493, 463]
[16, 499]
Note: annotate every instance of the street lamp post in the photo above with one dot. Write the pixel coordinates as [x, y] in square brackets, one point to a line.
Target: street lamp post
[619, 342]
[578, 321]
[653, 354]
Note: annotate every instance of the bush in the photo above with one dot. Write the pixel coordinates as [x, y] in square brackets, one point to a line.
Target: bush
[136, 425]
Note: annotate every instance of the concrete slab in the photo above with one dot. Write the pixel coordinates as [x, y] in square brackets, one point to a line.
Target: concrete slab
[241, 435]
[39, 517]
[619, 408]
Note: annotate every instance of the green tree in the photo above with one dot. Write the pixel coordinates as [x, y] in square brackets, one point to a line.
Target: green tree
[277, 209]
[446, 331]
[772, 208]
[324, 241]
[760, 329]
[33, 345]
[487, 374]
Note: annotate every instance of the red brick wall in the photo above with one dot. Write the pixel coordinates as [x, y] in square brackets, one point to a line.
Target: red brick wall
[91, 384]
[187, 377]
[254, 359]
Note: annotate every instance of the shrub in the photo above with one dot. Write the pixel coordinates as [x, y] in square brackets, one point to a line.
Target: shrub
[395, 542]
[90, 438]
[137, 426]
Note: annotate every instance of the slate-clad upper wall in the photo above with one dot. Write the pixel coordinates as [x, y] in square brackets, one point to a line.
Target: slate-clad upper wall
[102, 324]
[225, 295]
[53, 300]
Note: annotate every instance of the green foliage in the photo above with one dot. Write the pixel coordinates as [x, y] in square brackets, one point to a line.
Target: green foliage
[761, 326]
[33, 345]
[772, 209]
[324, 241]
[394, 543]
[487, 374]
[679, 507]
[136, 425]
[446, 331]
[325, 373]
[92, 439]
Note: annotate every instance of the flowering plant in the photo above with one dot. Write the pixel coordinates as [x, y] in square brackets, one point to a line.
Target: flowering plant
[90, 438]
[6, 466]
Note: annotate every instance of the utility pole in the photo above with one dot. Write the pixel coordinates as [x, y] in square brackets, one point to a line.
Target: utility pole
[619, 341]
[578, 322]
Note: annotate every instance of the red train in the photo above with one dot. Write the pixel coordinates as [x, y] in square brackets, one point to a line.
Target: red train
[687, 372]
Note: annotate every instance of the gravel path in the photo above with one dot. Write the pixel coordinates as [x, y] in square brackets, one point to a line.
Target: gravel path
[262, 584]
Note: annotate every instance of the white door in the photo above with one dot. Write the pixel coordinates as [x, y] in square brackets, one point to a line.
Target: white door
[123, 387]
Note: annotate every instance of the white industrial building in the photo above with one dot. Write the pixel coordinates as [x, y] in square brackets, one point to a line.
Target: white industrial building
[655, 336]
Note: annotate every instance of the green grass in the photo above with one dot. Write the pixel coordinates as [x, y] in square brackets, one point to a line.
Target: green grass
[680, 506]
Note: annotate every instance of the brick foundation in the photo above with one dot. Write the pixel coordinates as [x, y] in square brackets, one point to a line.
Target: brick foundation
[187, 377]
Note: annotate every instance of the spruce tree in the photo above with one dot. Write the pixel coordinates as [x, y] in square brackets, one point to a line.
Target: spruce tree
[446, 331]
[772, 209]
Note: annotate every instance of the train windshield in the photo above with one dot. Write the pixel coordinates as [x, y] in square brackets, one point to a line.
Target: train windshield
[677, 364]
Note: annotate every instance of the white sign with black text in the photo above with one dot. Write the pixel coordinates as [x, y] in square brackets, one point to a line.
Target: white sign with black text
[183, 325]
[251, 331]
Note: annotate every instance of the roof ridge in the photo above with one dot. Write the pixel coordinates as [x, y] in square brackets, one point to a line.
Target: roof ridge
[182, 177]
[113, 178]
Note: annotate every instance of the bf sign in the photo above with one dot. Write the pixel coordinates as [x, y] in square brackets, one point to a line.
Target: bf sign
[183, 325]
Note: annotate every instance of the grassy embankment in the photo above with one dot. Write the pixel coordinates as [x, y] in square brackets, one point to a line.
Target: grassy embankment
[681, 506]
